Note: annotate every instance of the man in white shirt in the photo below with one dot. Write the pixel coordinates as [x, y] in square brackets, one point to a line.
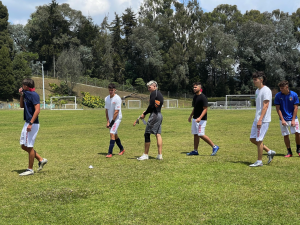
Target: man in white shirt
[113, 116]
[263, 98]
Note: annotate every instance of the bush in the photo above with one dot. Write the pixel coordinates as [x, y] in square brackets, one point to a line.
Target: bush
[92, 101]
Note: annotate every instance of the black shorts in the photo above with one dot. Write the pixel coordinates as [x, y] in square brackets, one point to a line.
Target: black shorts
[154, 124]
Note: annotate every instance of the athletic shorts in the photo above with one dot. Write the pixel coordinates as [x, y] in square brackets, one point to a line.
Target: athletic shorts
[198, 128]
[114, 128]
[28, 138]
[260, 133]
[285, 129]
[154, 124]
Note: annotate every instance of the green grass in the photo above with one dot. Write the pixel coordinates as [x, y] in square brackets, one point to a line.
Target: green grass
[121, 190]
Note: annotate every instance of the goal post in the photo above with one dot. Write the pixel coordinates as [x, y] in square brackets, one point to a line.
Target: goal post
[239, 101]
[134, 104]
[170, 103]
[63, 103]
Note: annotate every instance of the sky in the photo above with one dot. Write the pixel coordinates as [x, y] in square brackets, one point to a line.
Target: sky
[20, 10]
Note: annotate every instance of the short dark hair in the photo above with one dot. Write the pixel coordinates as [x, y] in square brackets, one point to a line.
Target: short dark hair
[111, 86]
[28, 82]
[283, 83]
[261, 75]
[197, 83]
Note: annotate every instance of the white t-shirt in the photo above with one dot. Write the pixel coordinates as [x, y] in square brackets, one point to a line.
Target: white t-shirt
[112, 104]
[260, 96]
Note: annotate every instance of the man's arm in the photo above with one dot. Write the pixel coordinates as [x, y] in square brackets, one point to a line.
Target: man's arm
[114, 118]
[202, 114]
[190, 118]
[107, 118]
[294, 115]
[21, 98]
[263, 112]
[283, 122]
[35, 115]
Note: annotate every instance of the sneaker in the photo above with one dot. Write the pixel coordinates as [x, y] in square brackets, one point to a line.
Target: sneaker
[108, 155]
[256, 164]
[27, 172]
[288, 155]
[193, 153]
[271, 156]
[215, 150]
[122, 152]
[143, 157]
[159, 157]
[298, 152]
[42, 164]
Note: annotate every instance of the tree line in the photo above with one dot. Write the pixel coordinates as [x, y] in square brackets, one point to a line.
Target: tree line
[173, 43]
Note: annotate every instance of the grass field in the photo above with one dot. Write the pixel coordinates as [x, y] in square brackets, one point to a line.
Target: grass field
[202, 189]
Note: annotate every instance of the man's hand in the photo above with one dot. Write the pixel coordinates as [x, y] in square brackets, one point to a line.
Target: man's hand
[190, 119]
[29, 128]
[107, 124]
[198, 120]
[293, 123]
[21, 91]
[142, 116]
[259, 123]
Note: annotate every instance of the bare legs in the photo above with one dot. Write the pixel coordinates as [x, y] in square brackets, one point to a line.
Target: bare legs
[159, 145]
[204, 138]
[260, 148]
[32, 154]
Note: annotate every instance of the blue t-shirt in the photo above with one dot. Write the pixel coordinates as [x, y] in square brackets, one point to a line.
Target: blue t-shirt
[31, 99]
[287, 103]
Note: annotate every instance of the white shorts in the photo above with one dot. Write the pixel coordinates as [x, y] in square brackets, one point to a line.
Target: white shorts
[285, 129]
[28, 138]
[260, 133]
[198, 128]
[114, 129]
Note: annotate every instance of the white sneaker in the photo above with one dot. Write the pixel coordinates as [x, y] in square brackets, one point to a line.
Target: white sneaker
[159, 157]
[256, 164]
[42, 163]
[143, 157]
[271, 155]
[27, 172]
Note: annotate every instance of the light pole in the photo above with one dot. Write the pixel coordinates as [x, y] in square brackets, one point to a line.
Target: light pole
[43, 62]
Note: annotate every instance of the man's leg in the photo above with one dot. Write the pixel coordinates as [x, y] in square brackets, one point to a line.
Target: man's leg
[37, 156]
[196, 141]
[147, 146]
[287, 143]
[31, 157]
[159, 143]
[207, 140]
[253, 140]
[111, 145]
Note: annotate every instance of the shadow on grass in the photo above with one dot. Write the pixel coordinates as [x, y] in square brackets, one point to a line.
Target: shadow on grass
[194, 155]
[102, 153]
[135, 157]
[19, 171]
[275, 155]
[242, 162]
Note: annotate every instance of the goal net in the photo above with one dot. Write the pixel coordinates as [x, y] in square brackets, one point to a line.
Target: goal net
[239, 102]
[134, 104]
[63, 103]
[171, 103]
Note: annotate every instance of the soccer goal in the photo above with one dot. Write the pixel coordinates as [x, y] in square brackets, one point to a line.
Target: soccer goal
[170, 103]
[134, 104]
[63, 103]
[239, 102]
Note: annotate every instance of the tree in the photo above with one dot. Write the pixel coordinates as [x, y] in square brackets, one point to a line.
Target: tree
[21, 70]
[69, 67]
[5, 40]
[7, 84]
[139, 82]
[20, 37]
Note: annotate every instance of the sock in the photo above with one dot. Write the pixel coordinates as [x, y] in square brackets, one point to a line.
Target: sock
[298, 148]
[196, 150]
[289, 150]
[30, 169]
[118, 141]
[259, 161]
[111, 146]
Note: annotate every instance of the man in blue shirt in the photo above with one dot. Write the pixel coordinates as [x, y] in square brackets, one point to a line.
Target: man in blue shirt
[30, 101]
[286, 102]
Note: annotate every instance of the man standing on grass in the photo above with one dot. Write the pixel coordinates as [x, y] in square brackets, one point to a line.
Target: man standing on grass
[199, 115]
[113, 116]
[30, 101]
[287, 102]
[263, 99]
[154, 121]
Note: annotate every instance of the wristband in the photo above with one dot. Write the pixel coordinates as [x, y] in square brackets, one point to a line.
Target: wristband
[30, 123]
[111, 123]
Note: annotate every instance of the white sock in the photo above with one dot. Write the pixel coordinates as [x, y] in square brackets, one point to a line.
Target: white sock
[259, 161]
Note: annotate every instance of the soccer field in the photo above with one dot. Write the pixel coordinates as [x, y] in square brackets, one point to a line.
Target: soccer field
[179, 189]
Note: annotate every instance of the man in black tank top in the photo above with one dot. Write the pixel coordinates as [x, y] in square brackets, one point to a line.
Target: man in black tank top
[155, 119]
[199, 115]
